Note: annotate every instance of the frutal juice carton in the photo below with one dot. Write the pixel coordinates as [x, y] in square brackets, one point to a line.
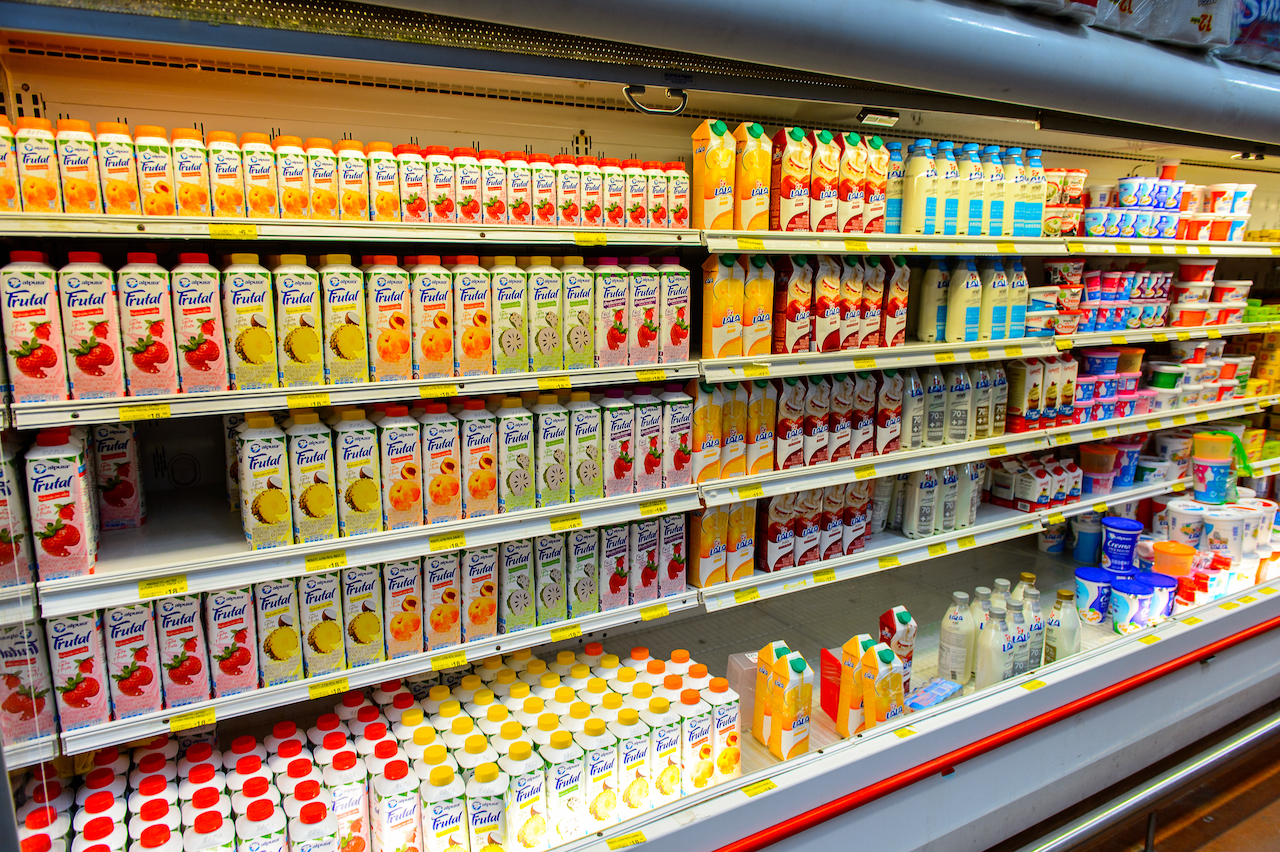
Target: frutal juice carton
[551, 573]
[674, 293]
[78, 669]
[516, 491]
[517, 609]
[510, 316]
[400, 458]
[645, 284]
[789, 179]
[431, 292]
[118, 169]
[649, 443]
[146, 326]
[91, 327]
[479, 573]
[58, 497]
[33, 329]
[579, 349]
[740, 540]
[322, 178]
[586, 448]
[753, 163]
[612, 314]
[817, 412]
[614, 552]
[388, 311]
[299, 322]
[226, 173]
[723, 291]
[757, 305]
[121, 503]
[292, 177]
[789, 432]
[384, 182]
[673, 558]
[442, 463]
[708, 429]
[248, 310]
[17, 558]
[132, 659]
[279, 637]
[357, 477]
[402, 607]
[78, 166]
[762, 418]
[472, 318]
[346, 329]
[478, 431]
[708, 536]
[582, 549]
[617, 428]
[828, 310]
[824, 181]
[183, 654]
[547, 314]
[677, 437]
[27, 703]
[849, 719]
[792, 304]
[265, 489]
[37, 161]
[362, 615]
[442, 589]
[231, 636]
[711, 186]
[644, 543]
[791, 693]
[775, 532]
[197, 325]
[551, 451]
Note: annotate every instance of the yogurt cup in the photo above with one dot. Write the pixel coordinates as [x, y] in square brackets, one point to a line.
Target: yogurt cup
[1124, 406]
[1190, 395]
[1166, 376]
[1219, 197]
[1097, 483]
[1128, 382]
[1143, 399]
[1095, 221]
[1196, 270]
[1108, 383]
[1092, 280]
[1083, 411]
[1130, 606]
[1230, 290]
[1093, 594]
[1111, 285]
[1100, 362]
[1188, 351]
[1242, 197]
[1104, 408]
[1186, 315]
[1130, 189]
[1088, 319]
[1068, 322]
[1085, 386]
[1191, 292]
[1220, 228]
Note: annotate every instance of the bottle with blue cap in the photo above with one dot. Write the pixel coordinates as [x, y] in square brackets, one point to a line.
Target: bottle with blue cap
[920, 191]
[1037, 189]
[969, 203]
[1015, 188]
[944, 163]
[992, 192]
[893, 190]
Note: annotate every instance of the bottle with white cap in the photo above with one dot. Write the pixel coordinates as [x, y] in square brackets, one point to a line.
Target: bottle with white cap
[154, 812]
[289, 751]
[262, 828]
[600, 773]
[210, 832]
[486, 806]
[1000, 590]
[493, 720]
[328, 723]
[525, 797]
[565, 807]
[1021, 638]
[206, 799]
[434, 757]
[202, 775]
[957, 640]
[444, 811]
[995, 648]
[395, 811]
[100, 804]
[253, 790]
[303, 795]
[348, 784]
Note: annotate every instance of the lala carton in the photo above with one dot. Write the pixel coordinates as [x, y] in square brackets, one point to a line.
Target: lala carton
[442, 462]
[762, 723]
[831, 533]
[26, 690]
[898, 631]
[614, 552]
[752, 166]
[121, 504]
[864, 414]
[827, 314]
[840, 418]
[733, 430]
[299, 323]
[708, 535]
[582, 551]
[775, 530]
[197, 325]
[431, 294]
[91, 330]
[279, 639]
[851, 302]
[33, 329]
[789, 180]
[320, 621]
[873, 291]
[824, 186]
[857, 505]
[58, 499]
[249, 312]
[265, 489]
[516, 607]
[479, 574]
[146, 324]
[472, 313]
[791, 694]
[722, 307]
[579, 348]
[757, 305]
[643, 547]
[389, 310]
[854, 156]
[551, 568]
[399, 444]
[789, 432]
[893, 316]
[882, 696]
[402, 607]
[231, 634]
[740, 542]
[612, 314]
[849, 720]
[817, 412]
[889, 390]
[362, 615]
[478, 430]
[792, 304]
[711, 186]
[546, 316]
[807, 521]
[78, 670]
[673, 556]
[442, 587]
[510, 317]
[708, 429]
[132, 655]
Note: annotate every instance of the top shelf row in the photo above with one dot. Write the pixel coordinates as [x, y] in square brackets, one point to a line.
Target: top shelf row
[768, 242]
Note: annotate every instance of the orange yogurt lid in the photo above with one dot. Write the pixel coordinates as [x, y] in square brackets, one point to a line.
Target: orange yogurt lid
[73, 124]
[149, 130]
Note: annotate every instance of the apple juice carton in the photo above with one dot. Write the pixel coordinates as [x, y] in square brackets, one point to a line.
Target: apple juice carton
[889, 390]
[17, 560]
[617, 425]
[711, 185]
[789, 432]
[33, 328]
[320, 613]
[248, 309]
[91, 331]
[442, 462]
[757, 304]
[840, 418]
[873, 291]
[431, 293]
[121, 504]
[362, 615]
[827, 315]
[708, 536]
[644, 543]
[279, 640]
[479, 573]
[146, 324]
[579, 323]
[472, 312]
[551, 571]
[674, 291]
[741, 541]
[183, 656]
[863, 437]
[722, 296]
[824, 181]
[231, 634]
[78, 670]
[615, 544]
[789, 181]
[546, 316]
[510, 316]
[893, 317]
[792, 304]
[775, 532]
[26, 689]
[582, 550]
[817, 412]
[612, 314]
[442, 588]
[58, 499]
[516, 607]
[478, 431]
[197, 325]
[672, 555]
[402, 607]
[265, 492]
[851, 303]
[299, 322]
[677, 437]
[132, 658]
[752, 166]
[389, 310]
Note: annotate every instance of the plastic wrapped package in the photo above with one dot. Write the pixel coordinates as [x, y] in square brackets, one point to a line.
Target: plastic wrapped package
[1204, 24]
[1126, 16]
[1255, 34]
[1084, 11]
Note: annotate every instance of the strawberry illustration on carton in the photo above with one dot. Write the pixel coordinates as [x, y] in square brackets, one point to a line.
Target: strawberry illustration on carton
[146, 324]
[197, 324]
[121, 504]
[78, 669]
[674, 556]
[232, 638]
[90, 330]
[614, 552]
[58, 498]
[184, 661]
[26, 689]
[132, 657]
[33, 329]
[644, 545]
[17, 561]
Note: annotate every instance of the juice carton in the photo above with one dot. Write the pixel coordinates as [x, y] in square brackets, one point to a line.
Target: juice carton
[431, 292]
[479, 448]
[551, 451]
[58, 498]
[231, 453]
[466, 185]
[146, 324]
[546, 316]
[875, 191]
[480, 593]
[320, 614]
[857, 503]
[898, 631]
[789, 432]
[817, 411]
[615, 544]
[121, 504]
[831, 535]
[402, 599]
[617, 426]
[231, 636]
[292, 174]
[673, 556]
[740, 543]
[644, 543]
[824, 177]
[870, 325]
[412, 176]
[78, 166]
[889, 390]
[722, 306]
[854, 154]
[757, 305]
[708, 425]
[118, 169]
[582, 549]
[849, 720]
[78, 670]
[298, 322]
[516, 490]
[579, 315]
[226, 172]
[586, 448]
[792, 304]
[17, 560]
[443, 589]
[399, 444]
[37, 160]
[791, 696]
[384, 182]
[311, 479]
[362, 615]
[677, 437]
[733, 430]
[472, 300]
[708, 535]
[132, 655]
[840, 420]
[249, 312]
[711, 187]
[762, 416]
[752, 165]
[863, 437]
[762, 723]
[265, 492]
[674, 291]
[851, 303]
[516, 607]
[323, 181]
[26, 690]
[280, 643]
[33, 328]
[828, 309]
[649, 440]
[551, 569]
[789, 180]
[644, 281]
[893, 318]
[346, 331]
[807, 522]
[775, 529]
[352, 175]
[197, 325]
[357, 475]
[612, 314]
[389, 309]
[510, 317]
[191, 171]
[882, 697]
[91, 330]
[442, 464]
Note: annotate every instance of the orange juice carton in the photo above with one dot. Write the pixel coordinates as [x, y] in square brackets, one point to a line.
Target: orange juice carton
[592, 192]
[121, 504]
[586, 448]
[898, 631]
[893, 318]
[516, 607]
[323, 182]
[510, 316]
[644, 285]
[78, 670]
[155, 170]
[320, 625]
[551, 451]
[132, 654]
[618, 433]
[27, 703]
[792, 304]
[644, 543]
[478, 435]
[851, 302]
[37, 160]
[362, 615]
[442, 586]
[260, 181]
[673, 556]
[248, 308]
[789, 432]
[708, 424]
[635, 193]
[516, 490]
[551, 573]
[345, 340]
[431, 296]
[873, 291]
[191, 171]
[740, 543]
[656, 201]
[118, 169]
[790, 180]
[711, 187]
[708, 536]
[58, 498]
[723, 292]
[231, 636]
[226, 173]
[831, 536]
[677, 437]
[762, 710]
[183, 655]
[33, 328]
[146, 324]
[547, 316]
[299, 324]
[762, 417]
[292, 178]
[791, 694]
[351, 175]
[578, 319]
[312, 478]
[673, 311]
[388, 310]
[612, 314]
[17, 560]
[479, 593]
[889, 390]
[840, 418]
[828, 308]
[614, 553]
[265, 493]
[357, 472]
[648, 439]
[752, 166]
[91, 330]
[78, 166]
[854, 154]
[733, 430]
[817, 411]
[442, 464]
[384, 182]
[493, 188]
[808, 526]
[875, 187]
[400, 457]
[876, 670]
[568, 191]
[411, 171]
[824, 180]
[402, 599]
[197, 325]
[849, 718]
[472, 311]
[466, 185]
[757, 304]
[862, 439]
[442, 203]
[582, 553]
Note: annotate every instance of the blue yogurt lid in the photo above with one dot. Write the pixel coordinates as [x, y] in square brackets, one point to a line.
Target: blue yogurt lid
[1094, 575]
[1122, 525]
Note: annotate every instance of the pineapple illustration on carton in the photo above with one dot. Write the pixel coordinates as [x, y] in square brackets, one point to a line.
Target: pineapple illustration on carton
[319, 610]
[362, 614]
[280, 651]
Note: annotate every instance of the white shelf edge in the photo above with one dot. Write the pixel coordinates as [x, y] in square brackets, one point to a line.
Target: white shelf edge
[19, 755]
[17, 604]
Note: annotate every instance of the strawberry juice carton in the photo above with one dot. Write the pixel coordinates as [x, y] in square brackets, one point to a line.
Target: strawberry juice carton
[674, 289]
[33, 328]
[132, 659]
[231, 634]
[78, 669]
[614, 552]
[90, 330]
[673, 556]
[197, 325]
[146, 326]
[17, 560]
[58, 498]
[645, 284]
[184, 657]
[26, 690]
[121, 504]
[612, 313]
[644, 543]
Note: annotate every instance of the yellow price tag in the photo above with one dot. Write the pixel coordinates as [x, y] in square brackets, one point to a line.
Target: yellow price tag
[1119, 339]
[590, 238]
[1124, 248]
[746, 595]
[162, 587]
[1100, 433]
[1013, 352]
[649, 613]
[1075, 247]
[1267, 590]
[1057, 518]
[1006, 248]
[1248, 599]
[762, 786]
[1028, 527]
[448, 541]
[1229, 605]
[750, 244]
[1202, 416]
[749, 492]
[1179, 420]
[451, 660]
[633, 838]
[1149, 640]
[319, 399]
[1160, 337]
[437, 391]
[979, 354]
[903, 733]
[1191, 620]
[227, 231]
[326, 561]
[939, 549]
[1177, 486]
[1063, 343]
[148, 411]
[889, 562]
[944, 357]
[1061, 439]
[192, 719]
[1033, 685]
[998, 450]
[651, 375]
[866, 471]
[547, 383]
[1183, 335]
[966, 541]
[1153, 424]
[560, 523]
[653, 507]
[1099, 507]
[856, 245]
[568, 631]
[1214, 334]
[328, 687]
[864, 363]
[756, 371]
[824, 575]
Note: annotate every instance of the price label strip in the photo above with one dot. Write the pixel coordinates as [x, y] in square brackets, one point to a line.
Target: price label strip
[327, 561]
[328, 687]
[162, 587]
[192, 719]
[452, 660]
[568, 631]
[649, 613]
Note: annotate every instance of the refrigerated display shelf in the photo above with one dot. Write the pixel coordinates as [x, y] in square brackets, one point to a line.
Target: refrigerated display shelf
[31, 752]
[805, 242]
[172, 555]
[17, 604]
[1266, 467]
[207, 712]
[36, 415]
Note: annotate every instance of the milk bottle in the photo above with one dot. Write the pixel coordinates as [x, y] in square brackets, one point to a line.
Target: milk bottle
[959, 416]
[1018, 296]
[993, 309]
[993, 193]
[969, 221]
[964, 302]
[1015, 193]
[995, 648]
[944, 161]
[956, 645]
[1062, 628]
[893, 190]
[982, 395]
[931, 313]
[920, 191]
[1021, 638]
[1035, 627]
[913, 411]
[444, 811]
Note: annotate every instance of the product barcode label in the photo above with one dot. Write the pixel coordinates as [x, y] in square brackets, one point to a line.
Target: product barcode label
[560, 523]
[653, 507]
[756, 371]
[749, 492]
[762, 786]
[889, 562]
[451, 660]
[448, 541]
[649, 613]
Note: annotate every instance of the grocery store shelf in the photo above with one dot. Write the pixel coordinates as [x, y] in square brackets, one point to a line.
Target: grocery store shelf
[31, 752]
[724, 491]
[17, 604]
[804, 242]
[195, 227]
[218, 709]
[1207, 248]
[1266, 467]
[80, 412]
[1164, 335]
[172, 553]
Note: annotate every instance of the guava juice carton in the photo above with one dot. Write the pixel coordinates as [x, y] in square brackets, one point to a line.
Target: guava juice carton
[197, 325]
[231, 633]
[479, 593]
[78, 669]
[582, 549]
[612, 313]
[26, 689]
[91, 327]
[33, 329]
[121, 504]
[614, 552]
[248, 309]
[551, 567]
[402, 606]
[184, 658]
[319, 611]
[516, 607]
[58, 499]
[146, 325]
[279, 639]
[132, 658]
[442, 587]
[711, 185]
[673, 556]
[674, 292]
[362, 614]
